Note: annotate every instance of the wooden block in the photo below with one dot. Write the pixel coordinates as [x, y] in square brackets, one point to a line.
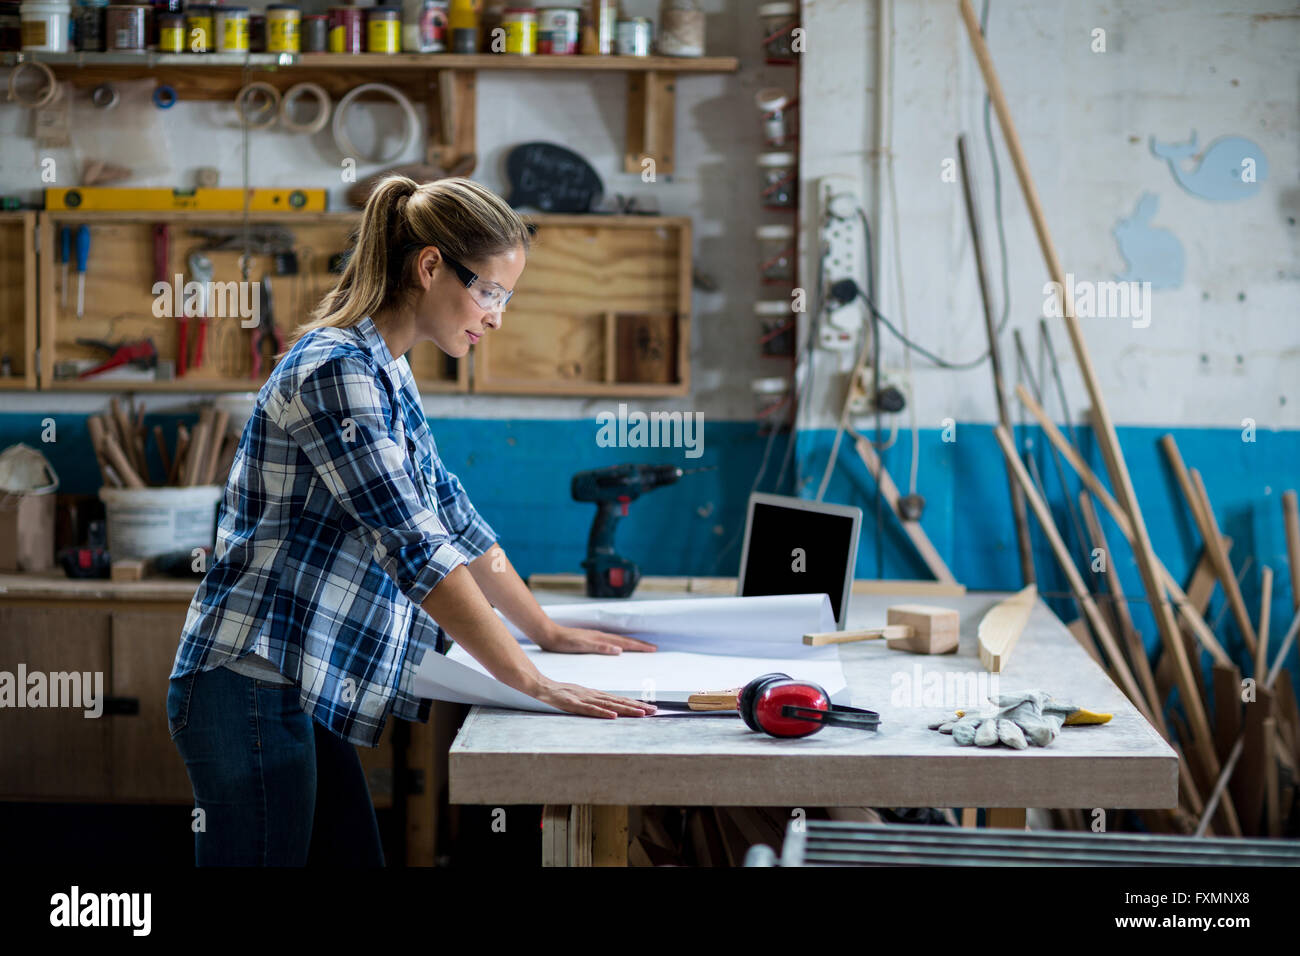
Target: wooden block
[1002, 626]
[934, 628]
[125, 569]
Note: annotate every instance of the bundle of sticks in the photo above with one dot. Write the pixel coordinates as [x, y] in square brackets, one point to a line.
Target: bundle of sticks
[1239, 775]
[203, 454]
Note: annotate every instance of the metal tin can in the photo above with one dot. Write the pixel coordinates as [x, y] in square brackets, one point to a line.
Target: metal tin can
[520, 24]
[256, 33]
[283, 28]
[316, 33]
[345, 30]
[126, 28]
[599, 19]
[171, 32]
[198, 29]
[424, 26]
[635, 36]
[231, 29]
[89, 25]
[384, 30]
[557, 31]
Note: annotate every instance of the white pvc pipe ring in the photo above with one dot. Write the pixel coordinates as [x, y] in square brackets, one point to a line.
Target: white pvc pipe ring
[290, 98]
[344, 142]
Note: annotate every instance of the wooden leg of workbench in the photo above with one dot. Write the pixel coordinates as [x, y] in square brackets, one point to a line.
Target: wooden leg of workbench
[970, 816]
[584, 835]
[422, 806]
[1005, 818]
[609, 836]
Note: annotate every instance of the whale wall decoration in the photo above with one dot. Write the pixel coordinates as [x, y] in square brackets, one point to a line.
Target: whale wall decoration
[1152, 255]
[1230, 168]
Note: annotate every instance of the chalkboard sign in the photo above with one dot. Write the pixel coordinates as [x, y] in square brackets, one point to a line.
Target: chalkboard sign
[552, 179]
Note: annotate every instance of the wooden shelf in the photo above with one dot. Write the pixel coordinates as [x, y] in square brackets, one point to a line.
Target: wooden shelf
[445, 82]
[603, 309]
[381, 61]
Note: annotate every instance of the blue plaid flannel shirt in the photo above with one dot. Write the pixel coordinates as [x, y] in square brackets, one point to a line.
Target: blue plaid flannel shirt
[337, 521]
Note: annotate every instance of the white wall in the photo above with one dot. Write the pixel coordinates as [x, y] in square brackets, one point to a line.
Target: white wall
[1221, 348]
[718, 137]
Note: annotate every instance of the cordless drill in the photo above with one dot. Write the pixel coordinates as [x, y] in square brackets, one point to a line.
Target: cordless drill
[609, 574]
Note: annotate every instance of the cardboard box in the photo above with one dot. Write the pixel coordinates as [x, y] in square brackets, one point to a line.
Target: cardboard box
[26, 532]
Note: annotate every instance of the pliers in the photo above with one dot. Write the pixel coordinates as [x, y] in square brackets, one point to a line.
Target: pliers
[265, 330]
[140, 353]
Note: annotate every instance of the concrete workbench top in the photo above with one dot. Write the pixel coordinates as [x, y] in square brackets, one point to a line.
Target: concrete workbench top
[57, 586]
[509, 757]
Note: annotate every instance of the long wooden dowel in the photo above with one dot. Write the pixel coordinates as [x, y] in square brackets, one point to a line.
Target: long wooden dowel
[1089, 606]
[1227, 579]
[1023, 545]
[1137, 654]
[920, 540]
[1265, 607]
[1107, 436]
[1291, 516]
[1186, 608]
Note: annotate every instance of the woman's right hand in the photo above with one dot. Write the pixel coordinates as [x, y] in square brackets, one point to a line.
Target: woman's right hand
[576, 699]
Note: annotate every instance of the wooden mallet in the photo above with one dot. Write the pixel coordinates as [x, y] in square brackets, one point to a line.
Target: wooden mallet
[919, 628]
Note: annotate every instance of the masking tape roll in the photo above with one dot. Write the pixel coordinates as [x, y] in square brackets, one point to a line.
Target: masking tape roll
[344, 142]
[292, 95]
[47, 95]
[263, 115]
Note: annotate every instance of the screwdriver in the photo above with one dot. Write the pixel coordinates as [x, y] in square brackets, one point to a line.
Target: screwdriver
[83, 253]
[65, 254]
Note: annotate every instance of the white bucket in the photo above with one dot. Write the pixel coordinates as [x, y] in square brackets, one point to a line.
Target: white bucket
[144, 522]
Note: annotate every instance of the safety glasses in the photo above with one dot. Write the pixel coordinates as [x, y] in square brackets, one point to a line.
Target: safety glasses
[491, 296]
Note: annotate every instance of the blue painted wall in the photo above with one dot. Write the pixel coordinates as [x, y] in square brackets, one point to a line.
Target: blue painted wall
[517, 472]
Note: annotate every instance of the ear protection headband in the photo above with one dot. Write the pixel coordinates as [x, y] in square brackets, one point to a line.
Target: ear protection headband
[778, 705]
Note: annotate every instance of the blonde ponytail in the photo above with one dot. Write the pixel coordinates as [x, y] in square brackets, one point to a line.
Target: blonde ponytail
[462, 218]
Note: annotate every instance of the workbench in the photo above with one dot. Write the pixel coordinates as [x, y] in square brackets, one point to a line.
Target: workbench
[586, 772]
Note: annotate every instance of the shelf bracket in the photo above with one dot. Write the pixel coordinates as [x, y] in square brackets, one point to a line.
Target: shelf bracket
[651, 131]
[450, 108]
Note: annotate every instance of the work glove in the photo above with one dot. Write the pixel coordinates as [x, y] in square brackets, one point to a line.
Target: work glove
[1030, 717]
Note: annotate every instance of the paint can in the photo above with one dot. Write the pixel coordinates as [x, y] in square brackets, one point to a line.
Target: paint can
[384, 30]
[520, 24]
[557, 31]
[681, 28]
[11, 26]
[283, 28]
[316, 33]
[424, 26]
[45, 25]
[171, 32]
[87, 26]
[231, 24]
[599, 27]
[126, 28]
[345, 30]
[635, 36]
[199, 29]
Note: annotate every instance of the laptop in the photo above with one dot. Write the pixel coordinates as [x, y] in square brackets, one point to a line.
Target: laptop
[797, 546]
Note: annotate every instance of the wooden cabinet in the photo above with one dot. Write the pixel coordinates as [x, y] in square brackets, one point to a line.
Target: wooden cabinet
[18, 298]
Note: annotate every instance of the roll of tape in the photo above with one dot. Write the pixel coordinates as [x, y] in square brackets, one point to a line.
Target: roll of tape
[164, 97]
[104, 96]
[291, 97]
[46, 95]
[258, 104]
[344, 142]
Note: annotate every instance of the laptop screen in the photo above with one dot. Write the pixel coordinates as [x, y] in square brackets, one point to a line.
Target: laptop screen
[800, 550]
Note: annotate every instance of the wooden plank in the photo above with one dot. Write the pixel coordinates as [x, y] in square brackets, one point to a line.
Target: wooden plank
[1227, 579]
[920, 540]
[1227, 708]
[1007, 818]
[651, 125]
[1001, 627]
[609, 836]
[1265, 609]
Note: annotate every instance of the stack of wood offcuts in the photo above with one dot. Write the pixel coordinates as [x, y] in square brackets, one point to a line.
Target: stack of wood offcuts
[201, 455]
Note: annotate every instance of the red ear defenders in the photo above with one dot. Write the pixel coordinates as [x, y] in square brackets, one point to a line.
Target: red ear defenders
[778, 705]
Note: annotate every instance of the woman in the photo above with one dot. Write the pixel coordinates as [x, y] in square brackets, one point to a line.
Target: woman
[338, 525]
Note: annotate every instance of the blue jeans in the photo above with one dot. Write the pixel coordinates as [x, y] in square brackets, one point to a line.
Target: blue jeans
[275, 788]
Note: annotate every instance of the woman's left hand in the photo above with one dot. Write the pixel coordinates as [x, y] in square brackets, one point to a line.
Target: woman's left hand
[581, 640]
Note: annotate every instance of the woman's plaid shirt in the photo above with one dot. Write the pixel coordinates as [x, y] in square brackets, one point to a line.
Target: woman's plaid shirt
[337, 521]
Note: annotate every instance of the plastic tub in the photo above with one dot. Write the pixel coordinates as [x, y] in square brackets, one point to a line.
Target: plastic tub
[143, 522]
[45, 25]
